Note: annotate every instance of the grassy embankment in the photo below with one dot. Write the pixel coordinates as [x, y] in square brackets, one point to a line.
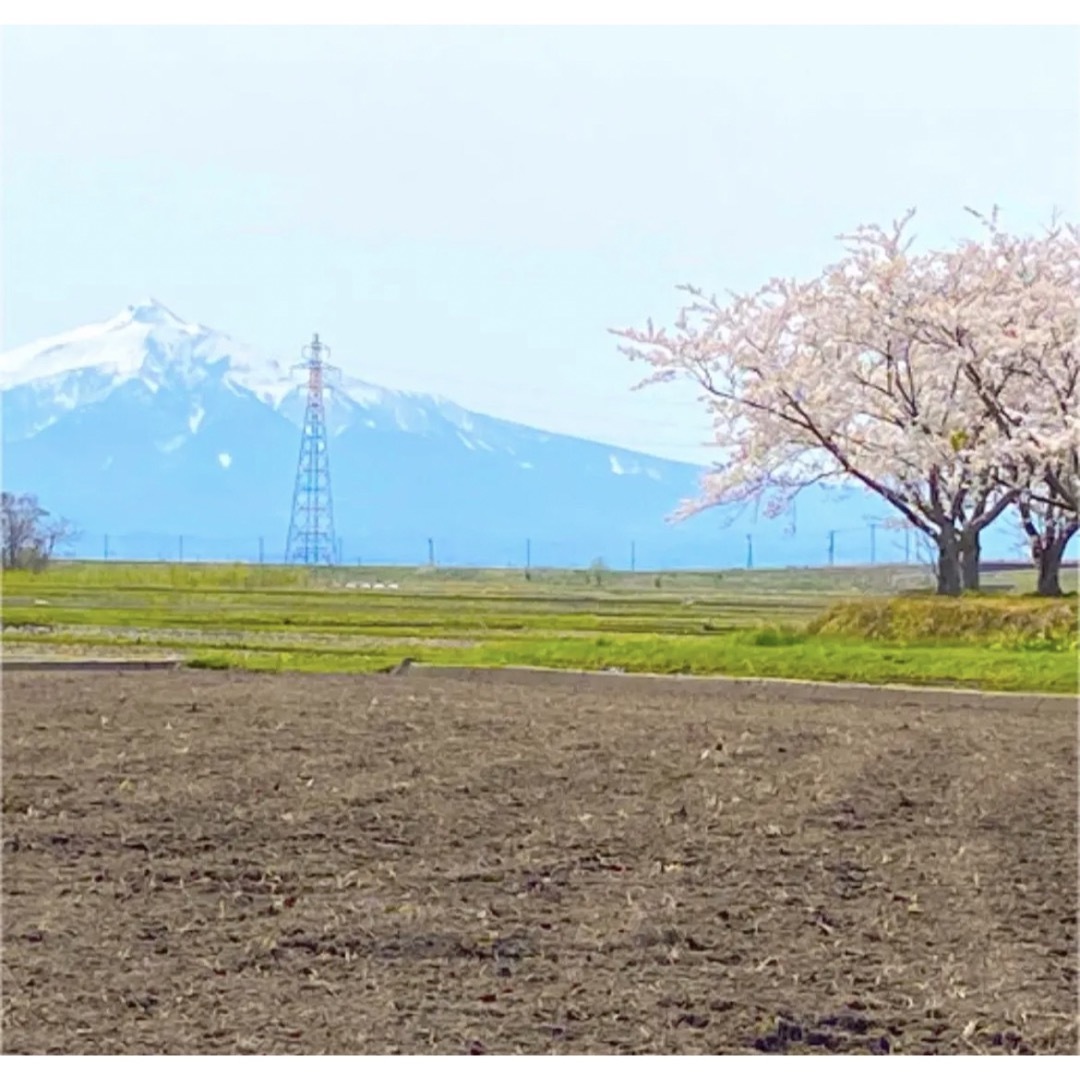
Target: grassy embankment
[830, 625]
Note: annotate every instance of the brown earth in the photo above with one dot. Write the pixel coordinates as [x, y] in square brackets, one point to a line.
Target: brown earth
[197, 862]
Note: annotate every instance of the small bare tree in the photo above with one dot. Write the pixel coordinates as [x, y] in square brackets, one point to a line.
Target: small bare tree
[30, 534]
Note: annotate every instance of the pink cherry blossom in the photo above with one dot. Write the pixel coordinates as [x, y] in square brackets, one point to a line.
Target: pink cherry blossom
[945, 381]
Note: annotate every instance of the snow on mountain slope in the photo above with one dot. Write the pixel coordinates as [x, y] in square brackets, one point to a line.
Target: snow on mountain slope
[145, 341]
[149, 344]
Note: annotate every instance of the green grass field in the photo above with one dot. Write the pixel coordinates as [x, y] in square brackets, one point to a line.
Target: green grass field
[766, 623]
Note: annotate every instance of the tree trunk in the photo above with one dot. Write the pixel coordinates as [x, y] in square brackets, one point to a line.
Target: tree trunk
[949, 580]
[970, 552]
[1049, 565]
[1048, 557]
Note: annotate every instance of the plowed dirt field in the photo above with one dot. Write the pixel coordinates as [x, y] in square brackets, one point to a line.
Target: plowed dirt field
[200, 862]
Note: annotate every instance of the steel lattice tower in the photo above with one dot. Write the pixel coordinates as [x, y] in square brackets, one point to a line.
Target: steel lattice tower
[311, 528]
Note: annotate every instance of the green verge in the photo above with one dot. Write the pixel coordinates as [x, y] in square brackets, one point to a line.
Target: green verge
[754, 654]
[280, 621]
[390, 614]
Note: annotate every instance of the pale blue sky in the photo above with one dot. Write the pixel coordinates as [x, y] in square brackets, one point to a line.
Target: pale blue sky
[466, 211]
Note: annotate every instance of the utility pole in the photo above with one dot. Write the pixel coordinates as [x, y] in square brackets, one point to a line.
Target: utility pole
[431, 551]
[749, 551]
[528, 555]
[832, 547]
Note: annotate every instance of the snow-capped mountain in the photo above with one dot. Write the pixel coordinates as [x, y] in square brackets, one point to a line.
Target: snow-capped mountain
[148, 346]
[150, 424]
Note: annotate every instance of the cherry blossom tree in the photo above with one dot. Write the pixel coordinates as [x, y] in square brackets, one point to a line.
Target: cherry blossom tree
[1012, 305]
[910, 374]
[1024, 364]
[1048, 528]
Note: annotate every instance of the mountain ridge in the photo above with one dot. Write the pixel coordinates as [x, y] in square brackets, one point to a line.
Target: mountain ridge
[149, 423]
[127, 345]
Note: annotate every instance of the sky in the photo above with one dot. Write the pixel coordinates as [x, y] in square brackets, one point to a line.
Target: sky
[468, 211]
